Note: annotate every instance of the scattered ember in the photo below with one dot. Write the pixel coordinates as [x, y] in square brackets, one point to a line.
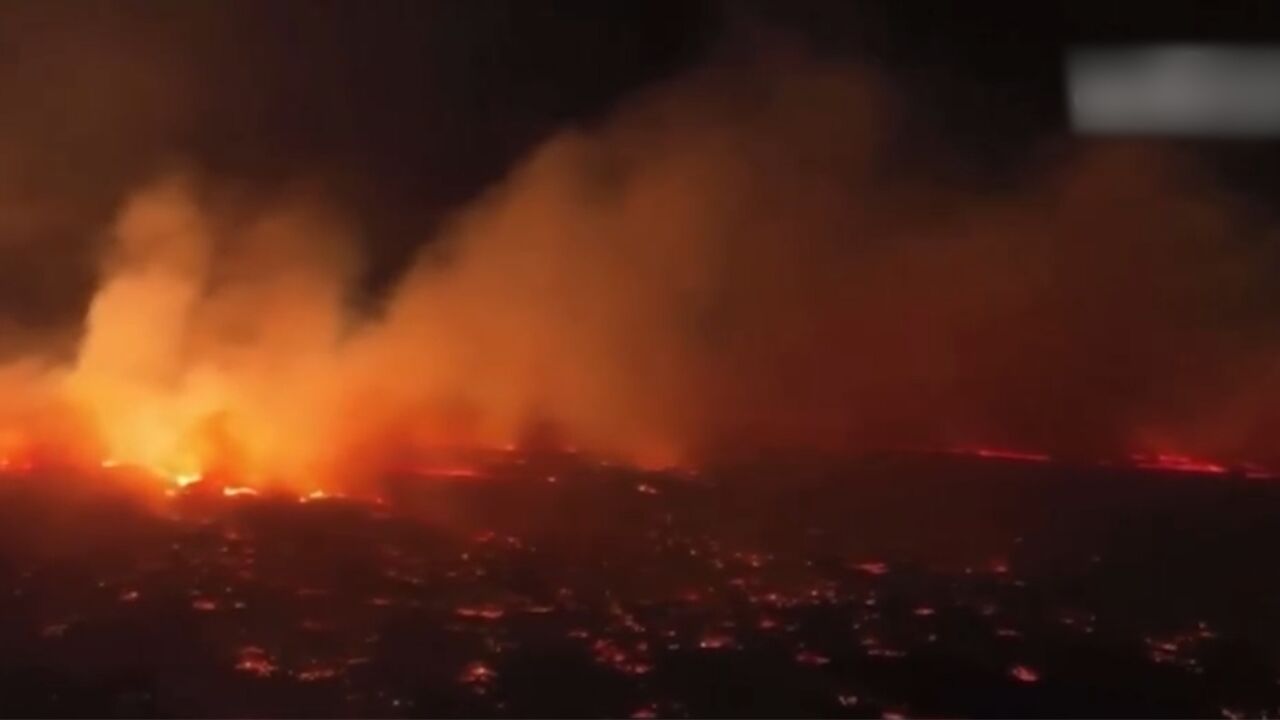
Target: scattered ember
[477, 674]
[255, 661]
[506, 597]
[716, 642]
[809, 657]
[485, 612]
[872, 568]
[1180, 649]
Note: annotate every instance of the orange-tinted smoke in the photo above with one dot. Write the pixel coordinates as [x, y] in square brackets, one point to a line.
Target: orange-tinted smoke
[735, 261]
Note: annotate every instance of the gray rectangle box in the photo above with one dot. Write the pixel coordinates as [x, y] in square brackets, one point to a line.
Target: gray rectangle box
[1221, 91]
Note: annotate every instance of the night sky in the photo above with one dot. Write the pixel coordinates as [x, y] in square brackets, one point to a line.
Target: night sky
[405, 110]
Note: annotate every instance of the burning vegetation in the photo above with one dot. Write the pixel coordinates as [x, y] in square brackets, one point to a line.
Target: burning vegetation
[721, 268]
[749, 396]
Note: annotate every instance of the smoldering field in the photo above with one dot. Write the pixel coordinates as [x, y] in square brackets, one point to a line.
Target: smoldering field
[736, 260]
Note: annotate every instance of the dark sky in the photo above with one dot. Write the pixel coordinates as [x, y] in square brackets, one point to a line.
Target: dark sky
[407, 109]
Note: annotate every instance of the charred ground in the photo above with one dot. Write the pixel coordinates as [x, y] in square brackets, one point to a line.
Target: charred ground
[923, 585]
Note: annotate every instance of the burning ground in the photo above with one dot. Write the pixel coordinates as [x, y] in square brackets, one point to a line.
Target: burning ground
[229, 481]
[550, 584]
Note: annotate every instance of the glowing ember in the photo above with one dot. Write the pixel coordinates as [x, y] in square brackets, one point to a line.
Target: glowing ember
[238, 491]
[318, 495]
[486, 612]
[1004, 454]
[872, 568]
[255, 661]
[715, 642]
[1178, 463]
[809, 657]
[1024, 674]
[477, 674]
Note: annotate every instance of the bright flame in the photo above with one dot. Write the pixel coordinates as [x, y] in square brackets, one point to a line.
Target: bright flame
[185, 479]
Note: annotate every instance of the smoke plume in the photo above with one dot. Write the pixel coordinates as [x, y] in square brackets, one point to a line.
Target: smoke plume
[734, 261]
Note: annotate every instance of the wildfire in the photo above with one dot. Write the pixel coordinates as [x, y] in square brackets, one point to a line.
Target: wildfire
[186, 479]
[230, 491]
[1003, 454]
[1178, 463]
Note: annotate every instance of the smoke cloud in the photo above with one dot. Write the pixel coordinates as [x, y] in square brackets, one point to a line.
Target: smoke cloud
[732, 262]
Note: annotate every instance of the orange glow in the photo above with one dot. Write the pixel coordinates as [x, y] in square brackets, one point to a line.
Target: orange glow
[317, 495]
[1178, 463]
[238, 491]
[477, 673]
[448, 472]
[1004, 454]
[183, 479]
